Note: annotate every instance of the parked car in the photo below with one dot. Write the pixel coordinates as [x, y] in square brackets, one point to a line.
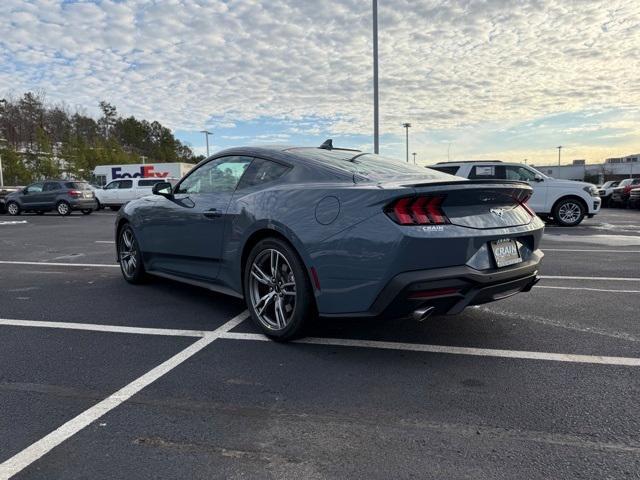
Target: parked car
[63, 196]
[566, 202]
[634, 198]
[620, 195]
[605, 190]
[305, 232]
[3, 195]
[118, 192]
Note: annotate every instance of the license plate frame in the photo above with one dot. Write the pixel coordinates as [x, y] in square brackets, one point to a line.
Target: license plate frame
[505, 252]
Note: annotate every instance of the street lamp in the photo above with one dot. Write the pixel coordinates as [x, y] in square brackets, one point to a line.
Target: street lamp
[559, 149]
[414, 157]
[376, 127]
[206, 137]
[406, 126]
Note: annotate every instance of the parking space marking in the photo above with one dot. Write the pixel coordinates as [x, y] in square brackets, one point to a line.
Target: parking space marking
[35, 451]
[478, 352]
[94, 327]
[106, 241]
[54, 264]
[587, 289]
[13, 222]
[594, 250]
[606, 279]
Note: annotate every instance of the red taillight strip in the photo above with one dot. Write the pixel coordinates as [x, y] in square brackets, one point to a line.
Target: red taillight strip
[422, 210]
[438, 292]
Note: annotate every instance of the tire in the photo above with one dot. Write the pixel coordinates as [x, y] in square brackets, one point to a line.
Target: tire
[130, 257]
[569, 212]
[87, 211]
[63, 208]
[98, 205]
[115, 209]
[13, 209]
[280, 300]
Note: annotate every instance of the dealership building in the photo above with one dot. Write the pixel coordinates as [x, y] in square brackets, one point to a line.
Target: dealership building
[612, 169]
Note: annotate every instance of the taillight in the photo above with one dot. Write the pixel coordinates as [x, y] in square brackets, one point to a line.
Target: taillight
[417, 211]
[75, 193]
[524, 205]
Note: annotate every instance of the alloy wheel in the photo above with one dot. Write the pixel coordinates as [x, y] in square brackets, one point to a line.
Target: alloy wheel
[13, 209]
[570, 212]
[127, 250]
[272, 289]
[63, 208]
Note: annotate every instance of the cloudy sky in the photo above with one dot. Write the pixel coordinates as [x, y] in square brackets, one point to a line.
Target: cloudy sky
[477, 79]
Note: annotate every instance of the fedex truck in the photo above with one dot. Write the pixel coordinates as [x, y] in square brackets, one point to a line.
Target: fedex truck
[104, 174]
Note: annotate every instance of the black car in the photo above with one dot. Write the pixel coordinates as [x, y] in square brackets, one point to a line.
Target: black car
[63, 196]
[634, 198]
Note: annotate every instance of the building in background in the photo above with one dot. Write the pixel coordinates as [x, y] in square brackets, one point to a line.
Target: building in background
[610, 169]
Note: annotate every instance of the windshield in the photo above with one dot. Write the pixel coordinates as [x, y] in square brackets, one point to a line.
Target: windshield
[539, 172]
[625, 182]
[370, 166]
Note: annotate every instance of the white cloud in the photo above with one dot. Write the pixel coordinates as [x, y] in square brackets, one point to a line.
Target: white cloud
[443, 63]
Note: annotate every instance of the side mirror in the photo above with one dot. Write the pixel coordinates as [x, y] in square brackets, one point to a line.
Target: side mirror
[538, 178]
[25, 191]
[163, 188]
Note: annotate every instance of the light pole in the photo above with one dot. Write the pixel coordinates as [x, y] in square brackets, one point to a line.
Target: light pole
[206, 137]
[406, 126]
[1, 179]
[376, 126]
[414, 157]
[559, 149]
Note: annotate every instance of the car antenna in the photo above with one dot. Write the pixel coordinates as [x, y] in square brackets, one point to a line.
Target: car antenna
[327, 144]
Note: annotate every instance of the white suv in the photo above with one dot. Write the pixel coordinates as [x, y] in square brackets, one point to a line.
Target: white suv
[118, 192]
[567, 202]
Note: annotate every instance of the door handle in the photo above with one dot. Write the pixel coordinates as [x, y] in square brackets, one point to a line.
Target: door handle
[212, 213]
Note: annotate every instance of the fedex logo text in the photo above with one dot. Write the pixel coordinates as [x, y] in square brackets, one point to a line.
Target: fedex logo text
[146, 171]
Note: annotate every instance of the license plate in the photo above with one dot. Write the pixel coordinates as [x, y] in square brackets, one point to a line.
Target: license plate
[505, 252]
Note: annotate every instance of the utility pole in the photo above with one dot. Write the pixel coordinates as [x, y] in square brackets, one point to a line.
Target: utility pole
[559, 149]
[376, 126]
[414, 157]
[406, 126]
[1, 179]
[206, 137]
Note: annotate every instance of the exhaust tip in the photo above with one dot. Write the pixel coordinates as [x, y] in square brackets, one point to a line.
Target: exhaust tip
[421, 314]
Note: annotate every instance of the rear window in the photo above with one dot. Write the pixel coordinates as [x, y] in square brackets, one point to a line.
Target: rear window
[149, 183]
[369, 165]
[443, 169]
[77, 185]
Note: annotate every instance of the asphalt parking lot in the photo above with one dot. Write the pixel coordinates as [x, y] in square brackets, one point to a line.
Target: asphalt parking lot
[101, 379]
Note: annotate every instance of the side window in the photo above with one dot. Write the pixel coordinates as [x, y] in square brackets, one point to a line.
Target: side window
[125, 184]
[148, 183]
[35, 188]
[217, 176]
[262, 171]
[50, 186]
[519, 173]
[112, 185]
[487, 172]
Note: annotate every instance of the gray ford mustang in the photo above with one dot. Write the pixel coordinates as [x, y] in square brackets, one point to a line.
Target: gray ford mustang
[306, 232]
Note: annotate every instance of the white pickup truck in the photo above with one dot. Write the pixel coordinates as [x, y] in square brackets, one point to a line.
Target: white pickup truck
[118, 192]
[567, 202]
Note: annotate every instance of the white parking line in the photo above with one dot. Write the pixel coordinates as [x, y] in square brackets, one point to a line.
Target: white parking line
[35, 451]
[53, 264]
[587, 289]
[604, 279]
[588, 250]
[106, 241]
[479, 352]
[95, 327]
[13, 222]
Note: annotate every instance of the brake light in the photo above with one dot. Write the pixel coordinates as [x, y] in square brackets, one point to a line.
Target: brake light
[75, 193]
[417, 211]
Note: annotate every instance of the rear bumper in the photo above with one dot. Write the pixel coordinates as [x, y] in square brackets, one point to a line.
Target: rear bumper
[84, 203]
[451, 290]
